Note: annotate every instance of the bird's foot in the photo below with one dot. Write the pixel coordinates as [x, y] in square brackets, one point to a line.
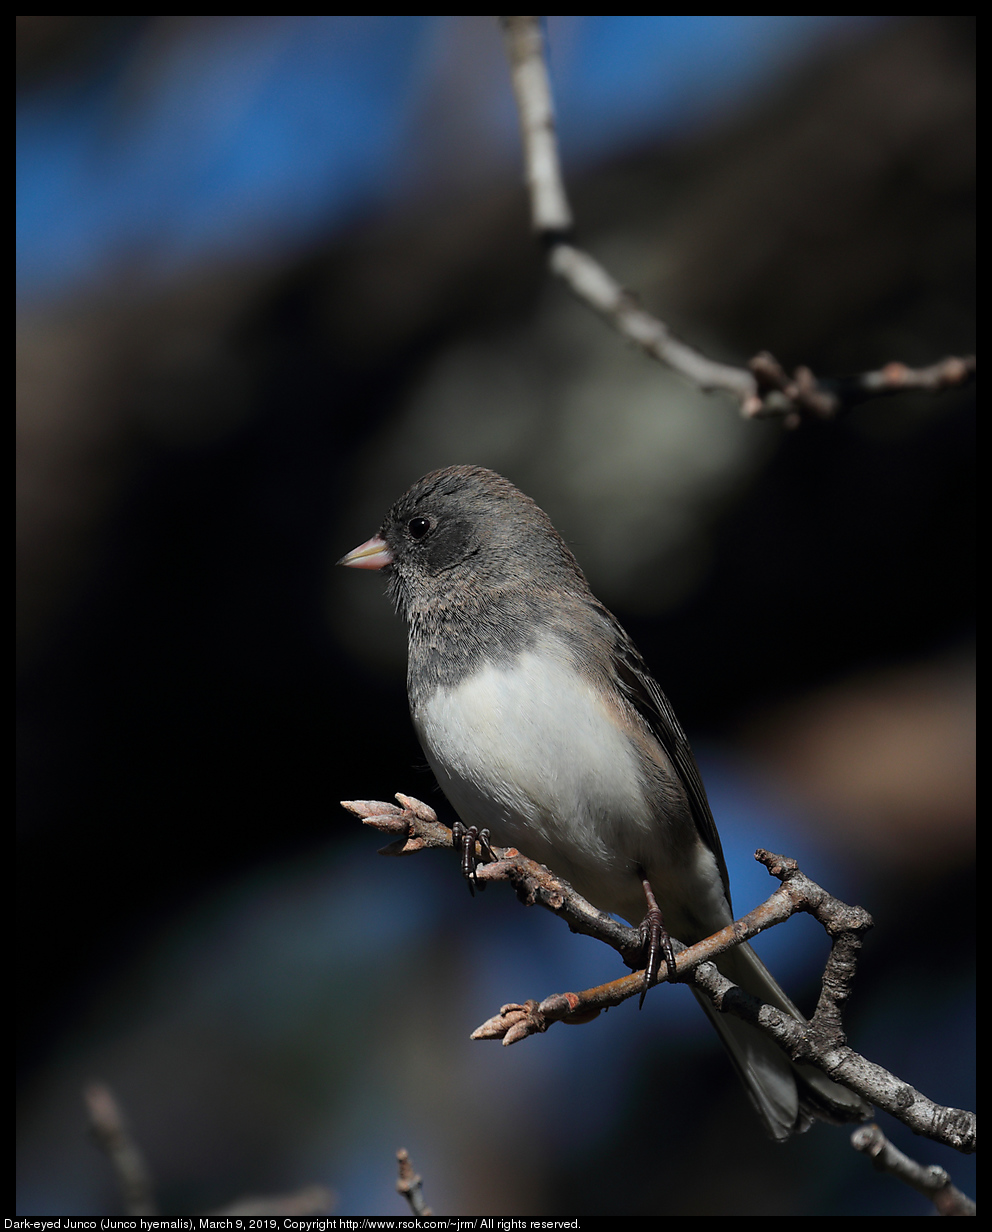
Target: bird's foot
[464, 839]
[656, 941]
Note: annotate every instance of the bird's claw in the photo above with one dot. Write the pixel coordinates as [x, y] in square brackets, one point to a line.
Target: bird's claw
[464, 839]
[656, 942]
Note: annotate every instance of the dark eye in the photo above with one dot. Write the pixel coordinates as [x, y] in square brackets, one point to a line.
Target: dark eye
[418, 527]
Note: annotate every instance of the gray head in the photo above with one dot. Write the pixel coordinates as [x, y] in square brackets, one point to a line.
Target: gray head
[466, 538]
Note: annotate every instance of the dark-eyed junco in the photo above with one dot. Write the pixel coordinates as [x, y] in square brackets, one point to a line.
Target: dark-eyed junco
[542, 724]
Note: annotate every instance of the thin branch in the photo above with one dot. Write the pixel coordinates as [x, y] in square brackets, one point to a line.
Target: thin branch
[762, 388]
[410, 1185]
[825, 398]
[550, 212]
[930, 1180]
[418, 828]
[311, 1200]
[111, 1132]
[820, 1042]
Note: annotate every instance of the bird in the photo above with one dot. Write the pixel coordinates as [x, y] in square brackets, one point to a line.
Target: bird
[543, 726]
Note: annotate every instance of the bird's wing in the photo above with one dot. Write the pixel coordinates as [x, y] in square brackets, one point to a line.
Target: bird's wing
[643, 692]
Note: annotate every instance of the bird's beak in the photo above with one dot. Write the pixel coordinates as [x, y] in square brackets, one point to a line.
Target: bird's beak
[372, 554]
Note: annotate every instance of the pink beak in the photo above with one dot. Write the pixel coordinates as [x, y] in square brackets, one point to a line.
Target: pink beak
[372, 554]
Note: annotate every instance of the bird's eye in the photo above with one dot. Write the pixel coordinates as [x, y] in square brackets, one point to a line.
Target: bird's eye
[418, 527]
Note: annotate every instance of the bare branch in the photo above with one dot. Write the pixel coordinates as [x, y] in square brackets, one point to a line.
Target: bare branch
[111, 1132]
[896, 377]
[410, 1185]
[591, 283]
[930, 1180]
[416, 821]
[820, 1042]
[782, 394]
[311, 1200]
[762, 388]
[418, 824]
[550, 211]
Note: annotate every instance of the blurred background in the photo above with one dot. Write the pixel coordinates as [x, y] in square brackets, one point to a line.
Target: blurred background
[271, 270]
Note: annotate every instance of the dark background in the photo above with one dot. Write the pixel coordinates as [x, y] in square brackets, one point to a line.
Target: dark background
[200, 924]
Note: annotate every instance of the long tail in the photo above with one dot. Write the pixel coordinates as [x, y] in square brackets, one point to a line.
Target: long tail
[786, 1096]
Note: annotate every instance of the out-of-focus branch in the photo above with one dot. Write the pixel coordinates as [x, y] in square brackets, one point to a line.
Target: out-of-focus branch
[550, 211]
[111, 1132]
[820, 1042]
[782, 394]
[410, 1185]
[930, 1180]
[762, 388]
[310, 1200]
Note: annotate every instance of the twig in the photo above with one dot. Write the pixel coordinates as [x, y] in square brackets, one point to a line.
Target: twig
[311, 1200]
[763, 388]
[410, 1185]
[111, 1132]
[825, 398]
[820, 1042]
[930, 1180]
[550, 212]
[419, 828]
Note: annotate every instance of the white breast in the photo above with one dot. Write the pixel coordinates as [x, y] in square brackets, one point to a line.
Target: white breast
[533, 753]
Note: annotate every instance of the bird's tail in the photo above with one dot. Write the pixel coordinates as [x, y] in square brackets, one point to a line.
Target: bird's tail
[787, 1096]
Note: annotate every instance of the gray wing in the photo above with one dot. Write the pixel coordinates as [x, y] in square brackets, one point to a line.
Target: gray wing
[645, 695]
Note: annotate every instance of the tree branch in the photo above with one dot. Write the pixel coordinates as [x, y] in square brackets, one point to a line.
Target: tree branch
[112, 1133]
[410, 1185]
[762, 388]
[931, 1181]
[310, 1200]
[820, 1042]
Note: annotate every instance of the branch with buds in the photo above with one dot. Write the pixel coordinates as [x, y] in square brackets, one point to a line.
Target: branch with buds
[763, 388]
[820, 1042]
